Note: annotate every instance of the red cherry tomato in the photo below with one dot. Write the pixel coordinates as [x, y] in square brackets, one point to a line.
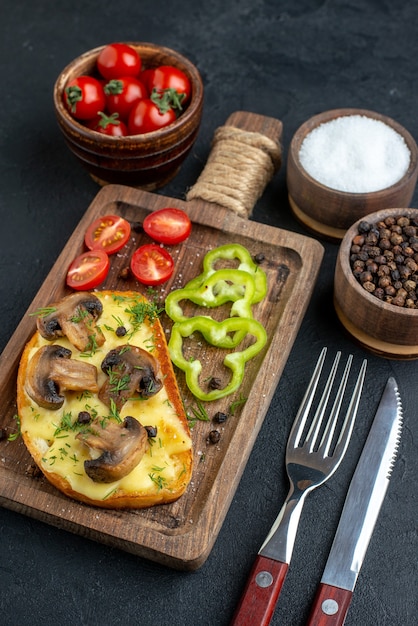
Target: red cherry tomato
[108, 233]
[145, 116]
[122, 93]
[118, 59]
[84, 97]
[88, 270]
[109, 125]
[169, 77]
[169, 225]
[151, 264]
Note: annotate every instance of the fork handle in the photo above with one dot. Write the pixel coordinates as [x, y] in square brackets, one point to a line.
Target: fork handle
[261, 593]
[330, 606]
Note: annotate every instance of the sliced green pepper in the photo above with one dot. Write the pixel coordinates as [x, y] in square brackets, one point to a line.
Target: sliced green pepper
[217, 289]
[232, 251]
[216, 333]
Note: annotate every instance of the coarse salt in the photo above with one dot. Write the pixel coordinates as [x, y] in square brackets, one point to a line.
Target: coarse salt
[355, 153]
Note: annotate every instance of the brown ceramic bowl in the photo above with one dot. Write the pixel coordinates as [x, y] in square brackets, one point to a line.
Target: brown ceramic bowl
[149, 160]
[330, 212]
[381, 327]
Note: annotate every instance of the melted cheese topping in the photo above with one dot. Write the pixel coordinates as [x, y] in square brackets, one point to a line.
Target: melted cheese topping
[54, 433]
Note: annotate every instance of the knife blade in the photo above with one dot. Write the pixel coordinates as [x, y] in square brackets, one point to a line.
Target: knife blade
[362, 505]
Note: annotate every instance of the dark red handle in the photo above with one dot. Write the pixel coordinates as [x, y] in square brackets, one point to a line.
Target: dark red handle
[330, 606]
[261, 593]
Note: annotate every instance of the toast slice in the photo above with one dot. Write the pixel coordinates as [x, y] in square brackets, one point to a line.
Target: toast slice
[98, 402]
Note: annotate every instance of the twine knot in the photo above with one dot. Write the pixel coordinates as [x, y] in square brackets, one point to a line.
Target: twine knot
[239, 167]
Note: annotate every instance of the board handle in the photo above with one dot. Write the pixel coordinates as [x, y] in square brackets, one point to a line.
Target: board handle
[246, 153]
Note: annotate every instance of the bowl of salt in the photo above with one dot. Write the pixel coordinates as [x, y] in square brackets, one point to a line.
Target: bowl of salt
[346, 163]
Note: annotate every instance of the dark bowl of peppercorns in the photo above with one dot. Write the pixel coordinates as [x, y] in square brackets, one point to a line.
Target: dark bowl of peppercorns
[376, 282]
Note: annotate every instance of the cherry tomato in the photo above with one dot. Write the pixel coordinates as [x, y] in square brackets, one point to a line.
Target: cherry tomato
[151, 264]
[122, 93]
[109, 125]
[118, 59]
[108, 233]
[88, 270]
[84, 97]
[169, 225]
[169, 77]
[145, 116]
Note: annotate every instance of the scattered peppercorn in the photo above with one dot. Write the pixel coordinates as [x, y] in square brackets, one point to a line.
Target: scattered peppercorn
[384, 260]
[220, 417]
[124, 273]
[84, 417]
[215, 383]
[152, 431]
[214, 436]
[259, 258]
[121, 331]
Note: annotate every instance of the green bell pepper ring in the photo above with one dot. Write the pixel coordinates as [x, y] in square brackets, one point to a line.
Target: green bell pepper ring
[215, 333]
[218, 288]
[232, 251]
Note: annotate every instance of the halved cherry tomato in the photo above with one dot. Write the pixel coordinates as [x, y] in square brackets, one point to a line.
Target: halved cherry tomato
[84, 97]
[169, 225]
[88, 270]
[118, 59]
[151, 264]
[108, 233]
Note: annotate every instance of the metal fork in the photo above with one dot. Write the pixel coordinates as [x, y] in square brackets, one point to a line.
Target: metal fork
[312, 456]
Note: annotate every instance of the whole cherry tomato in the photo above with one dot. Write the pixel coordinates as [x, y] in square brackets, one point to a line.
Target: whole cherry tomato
[122, 93]
[118, 59]
[168, 77]
[146, 116]
[84, 97]
[109, 125]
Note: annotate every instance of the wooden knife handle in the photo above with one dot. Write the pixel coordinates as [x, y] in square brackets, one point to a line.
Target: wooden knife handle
[330, 606]
[261, 593]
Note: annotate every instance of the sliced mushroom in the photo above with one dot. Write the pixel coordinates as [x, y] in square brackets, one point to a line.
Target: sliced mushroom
[74, 317]
[122, 445]
[130, 370]
[52, 370]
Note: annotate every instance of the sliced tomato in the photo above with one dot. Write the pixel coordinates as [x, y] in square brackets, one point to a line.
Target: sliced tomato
[88, 270]
[108, 233]
[169, 225]
[151, 264]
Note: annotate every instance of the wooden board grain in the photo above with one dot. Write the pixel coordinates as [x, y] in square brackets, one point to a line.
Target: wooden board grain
[180, 534]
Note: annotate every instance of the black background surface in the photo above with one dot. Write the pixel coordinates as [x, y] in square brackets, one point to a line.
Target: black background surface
[286, 59]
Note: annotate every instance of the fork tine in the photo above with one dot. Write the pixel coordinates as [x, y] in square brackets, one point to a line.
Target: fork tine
[313, 432]
[335, 411]
[305, 406]
[348, 423]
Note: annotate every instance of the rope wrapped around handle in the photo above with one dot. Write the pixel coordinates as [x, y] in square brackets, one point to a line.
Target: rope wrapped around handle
[240, 165]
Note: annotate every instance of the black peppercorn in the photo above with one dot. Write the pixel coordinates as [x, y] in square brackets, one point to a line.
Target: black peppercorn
[220, 417]
[152, 431]
[214, 436]
[121, 331]
[84, 417]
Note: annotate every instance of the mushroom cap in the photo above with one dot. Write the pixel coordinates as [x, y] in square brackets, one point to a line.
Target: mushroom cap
[130, 370]
[122, 445]
[74, 317]
[52, 371]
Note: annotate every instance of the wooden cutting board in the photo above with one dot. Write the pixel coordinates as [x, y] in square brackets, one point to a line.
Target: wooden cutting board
[181, 534]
